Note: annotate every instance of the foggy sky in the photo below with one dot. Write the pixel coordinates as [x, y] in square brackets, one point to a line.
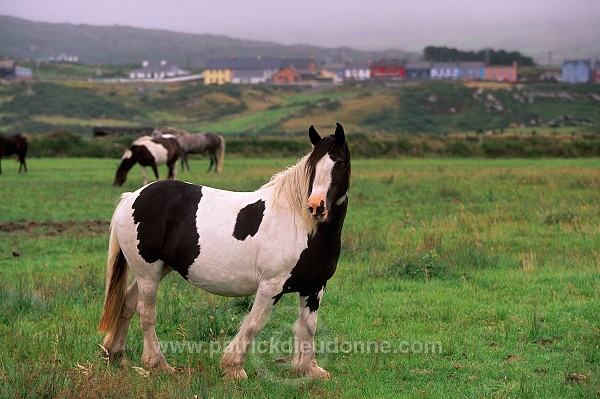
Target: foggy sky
[534, 27]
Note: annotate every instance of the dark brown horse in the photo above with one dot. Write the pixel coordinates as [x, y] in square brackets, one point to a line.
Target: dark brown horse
[14, 145]
[197, 143]
[149, 152]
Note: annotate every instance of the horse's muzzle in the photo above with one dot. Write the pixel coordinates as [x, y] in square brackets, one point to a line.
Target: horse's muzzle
[317, 208]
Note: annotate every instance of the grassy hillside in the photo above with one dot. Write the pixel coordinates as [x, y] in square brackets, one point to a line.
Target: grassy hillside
[427, 108]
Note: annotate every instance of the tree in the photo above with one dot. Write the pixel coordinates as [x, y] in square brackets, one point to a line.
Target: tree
[489, 56]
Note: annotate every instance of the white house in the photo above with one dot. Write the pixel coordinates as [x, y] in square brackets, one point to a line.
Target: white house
[444, 70]
[160, 71]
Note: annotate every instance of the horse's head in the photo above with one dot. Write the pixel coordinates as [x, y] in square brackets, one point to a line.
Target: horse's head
[120, 177]
[123, 168]
[328, 166]
[156, 133]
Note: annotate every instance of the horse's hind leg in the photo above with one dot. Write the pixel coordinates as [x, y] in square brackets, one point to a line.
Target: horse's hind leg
[172, 167]
[117, 350]
[185, 163]
[232, 362]
[147, 283]
[213, 161]
[304, 361]
[22, 163]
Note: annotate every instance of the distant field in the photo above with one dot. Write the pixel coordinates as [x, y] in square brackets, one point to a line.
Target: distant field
[458, 278]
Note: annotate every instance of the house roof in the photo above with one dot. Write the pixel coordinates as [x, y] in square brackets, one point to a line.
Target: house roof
[162, 67]
[299, 63]
[475, 64]
[7, 64]
[256, 63]
[418, 65]
[584, 62]
[248, 73]
[444, 65]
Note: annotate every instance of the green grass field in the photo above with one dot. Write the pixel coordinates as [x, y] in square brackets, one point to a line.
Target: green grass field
[458, 278]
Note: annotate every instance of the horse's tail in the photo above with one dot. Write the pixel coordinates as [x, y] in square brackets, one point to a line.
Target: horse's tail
[221, 154]
[116, 284]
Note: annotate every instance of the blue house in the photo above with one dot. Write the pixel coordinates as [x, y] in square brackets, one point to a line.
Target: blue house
[417, 70]
[471, 70]
[576, 71]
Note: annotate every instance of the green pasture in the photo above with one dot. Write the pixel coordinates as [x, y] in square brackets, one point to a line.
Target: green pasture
[458, 278]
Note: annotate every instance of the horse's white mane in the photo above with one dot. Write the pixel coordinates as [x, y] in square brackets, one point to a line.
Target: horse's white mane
[291, 185]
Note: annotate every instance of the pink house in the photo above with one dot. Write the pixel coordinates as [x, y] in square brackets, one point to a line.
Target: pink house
[501, 73]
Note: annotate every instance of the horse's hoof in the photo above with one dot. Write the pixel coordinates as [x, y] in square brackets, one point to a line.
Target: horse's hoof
[234, 374]
[164, 366]
[160, 365]
[314, 372]
[123, 362]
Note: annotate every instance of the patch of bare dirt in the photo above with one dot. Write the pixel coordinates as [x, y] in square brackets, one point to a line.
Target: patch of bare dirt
[36, 228]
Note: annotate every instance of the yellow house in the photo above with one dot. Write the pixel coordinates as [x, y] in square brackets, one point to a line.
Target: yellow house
[217, 72]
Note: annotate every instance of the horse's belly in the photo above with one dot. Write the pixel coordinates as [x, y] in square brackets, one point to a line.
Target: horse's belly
[233, 277]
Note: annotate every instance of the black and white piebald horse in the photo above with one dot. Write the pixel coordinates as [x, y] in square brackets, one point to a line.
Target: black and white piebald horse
[148, 151]
[197, 143]
[14, 145]
[284, 237]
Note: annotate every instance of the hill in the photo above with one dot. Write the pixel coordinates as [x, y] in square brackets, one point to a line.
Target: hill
[426, 118]
[110, 45]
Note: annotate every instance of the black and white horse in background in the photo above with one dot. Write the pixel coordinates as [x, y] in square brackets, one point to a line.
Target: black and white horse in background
[148, 151]
[284, 237]
[197, 143]
[14, 145]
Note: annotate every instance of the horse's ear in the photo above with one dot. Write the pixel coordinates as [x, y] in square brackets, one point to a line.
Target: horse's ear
[340, 137]
[314, 136]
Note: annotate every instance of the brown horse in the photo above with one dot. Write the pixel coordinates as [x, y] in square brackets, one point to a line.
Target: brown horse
[149, 152]
[14, 145]
[197, 143]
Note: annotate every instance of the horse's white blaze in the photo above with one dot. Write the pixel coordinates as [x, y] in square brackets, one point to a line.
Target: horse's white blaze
[321, 184]
[322, 180]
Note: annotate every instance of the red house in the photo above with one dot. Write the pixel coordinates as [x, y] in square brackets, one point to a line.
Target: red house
[291, 75]
[388, 70]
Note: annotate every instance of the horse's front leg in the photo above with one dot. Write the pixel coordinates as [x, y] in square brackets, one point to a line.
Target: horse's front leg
[304, 361]
[232, 362]
[155, 170]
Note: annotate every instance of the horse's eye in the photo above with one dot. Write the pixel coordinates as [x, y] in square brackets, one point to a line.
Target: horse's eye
[338, 164]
